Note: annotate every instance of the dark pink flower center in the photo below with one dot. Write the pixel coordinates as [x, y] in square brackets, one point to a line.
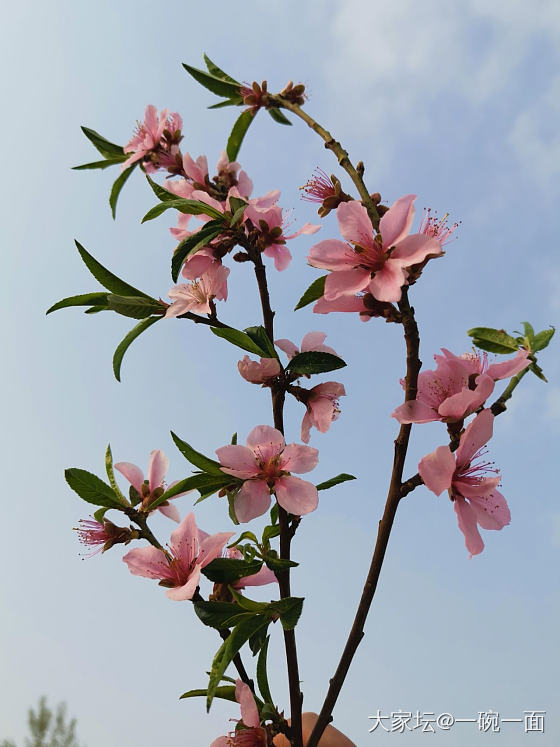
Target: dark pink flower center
[437, 228]
[318, 188]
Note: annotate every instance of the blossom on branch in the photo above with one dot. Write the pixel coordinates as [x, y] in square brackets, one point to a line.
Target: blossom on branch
[156, 140]
[265, 466]
[312, 342]
[269, 223]
[258, 372]
[322, 408]
[475, 498]
[200, 294]
[191, 550]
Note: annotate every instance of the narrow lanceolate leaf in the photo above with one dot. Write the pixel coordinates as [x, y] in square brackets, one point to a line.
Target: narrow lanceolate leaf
[117, 186]
[101, 164]
[217, 72]
[542, 339]
[123, 346]
[213, 83]
[315, 291]
[206, 484]
[278, 116]
[91, 489]
[106, 278]
[314, 362]
[343, 477]
[233, 101]
[195, 457]
[189, 207]
[111, 475]
[262, 675]
[537, 370]
[493, 340]
[191, 244]
[86, 299]
[240, 339]
[260, 338]
[225, 692]
[230, 570]
[136, 307]
[99, 515]
[104, 146]
[233, 643]
[219, 614]
[160, 192]
[238, 132]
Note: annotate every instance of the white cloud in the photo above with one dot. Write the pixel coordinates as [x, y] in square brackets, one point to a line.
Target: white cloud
[414, 58]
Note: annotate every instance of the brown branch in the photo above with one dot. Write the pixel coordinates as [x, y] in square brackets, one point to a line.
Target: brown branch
[278, 395]
[342, 155]
[385, 525]
[211, 321]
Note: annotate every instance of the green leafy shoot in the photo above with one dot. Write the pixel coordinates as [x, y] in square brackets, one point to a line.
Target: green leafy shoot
[343, 477]
[123, 346]
[315, 291]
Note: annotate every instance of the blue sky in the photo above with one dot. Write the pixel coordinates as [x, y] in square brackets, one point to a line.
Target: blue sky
[455, 102]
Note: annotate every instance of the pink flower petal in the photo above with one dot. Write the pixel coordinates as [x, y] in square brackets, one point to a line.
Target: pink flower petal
[281, 255]
[354, 223]
[182, 593]
[321, 410]
[133, 474]
[466, 518]
[414, 249]
[306, 425]
[261, 578]
[437, 468]
[296, 496]
[184, 542]
[470, 488]
[252, 500]
[415, 411]
[342, 304]
[467, 401]
[265, 441]
[244, 185]
[198, 264]
[476, 434]
[211, 547]
[157, 469]
[287, 347]
[509, 368]
[171, 511]
[396, 222]
[386, 284]
[491, 511]
[246, 700]
[298, 458]
[345, 283]
[312, 340]
[237, 460]
[307, 229]
[332, 254]
[148, 562]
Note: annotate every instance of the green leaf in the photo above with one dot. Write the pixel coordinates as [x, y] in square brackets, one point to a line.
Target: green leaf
[123, 346]
[134, 496]
[233, 643]
[257, 640]
[240, 339]
[249, 604]
[275, 563]
[207, 485]
[493, 340]
[191, 244]
[233, 101]
[260, 338]
[238, 132]
[262, 675]
[136, 307]
[528, 330]
[217, 614]
[104, 146]
[111, 475]
[101, 164]
[230, 570]
[269, 532]
[278, 116]
[233, 441]
[289, 610]
[314, 362]
[160, 192]
[274, 514]
[86, 299]
[117, 186]
[315, 291]
[106, 278]
[195, 457]
[213, 83]
[91, 489]
[225, 692]
[217, 72]
[537, 370]
[100, 514]
[236, 203]
[343, 477]
[542, 339]
[189, 207]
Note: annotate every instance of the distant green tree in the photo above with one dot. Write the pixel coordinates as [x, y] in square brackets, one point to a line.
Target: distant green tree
[48, 728]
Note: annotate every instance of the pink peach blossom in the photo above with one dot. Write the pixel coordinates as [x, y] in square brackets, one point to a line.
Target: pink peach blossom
[196, 296]
[265, 465]
[458, 386]
[475, 498]
[249, 732]
[148, 138]
[258, 372]
[157, 469]
[312, 342]
[179, 570]
[436, 227]
[271, 223]
[322, 408]
[379, 263]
